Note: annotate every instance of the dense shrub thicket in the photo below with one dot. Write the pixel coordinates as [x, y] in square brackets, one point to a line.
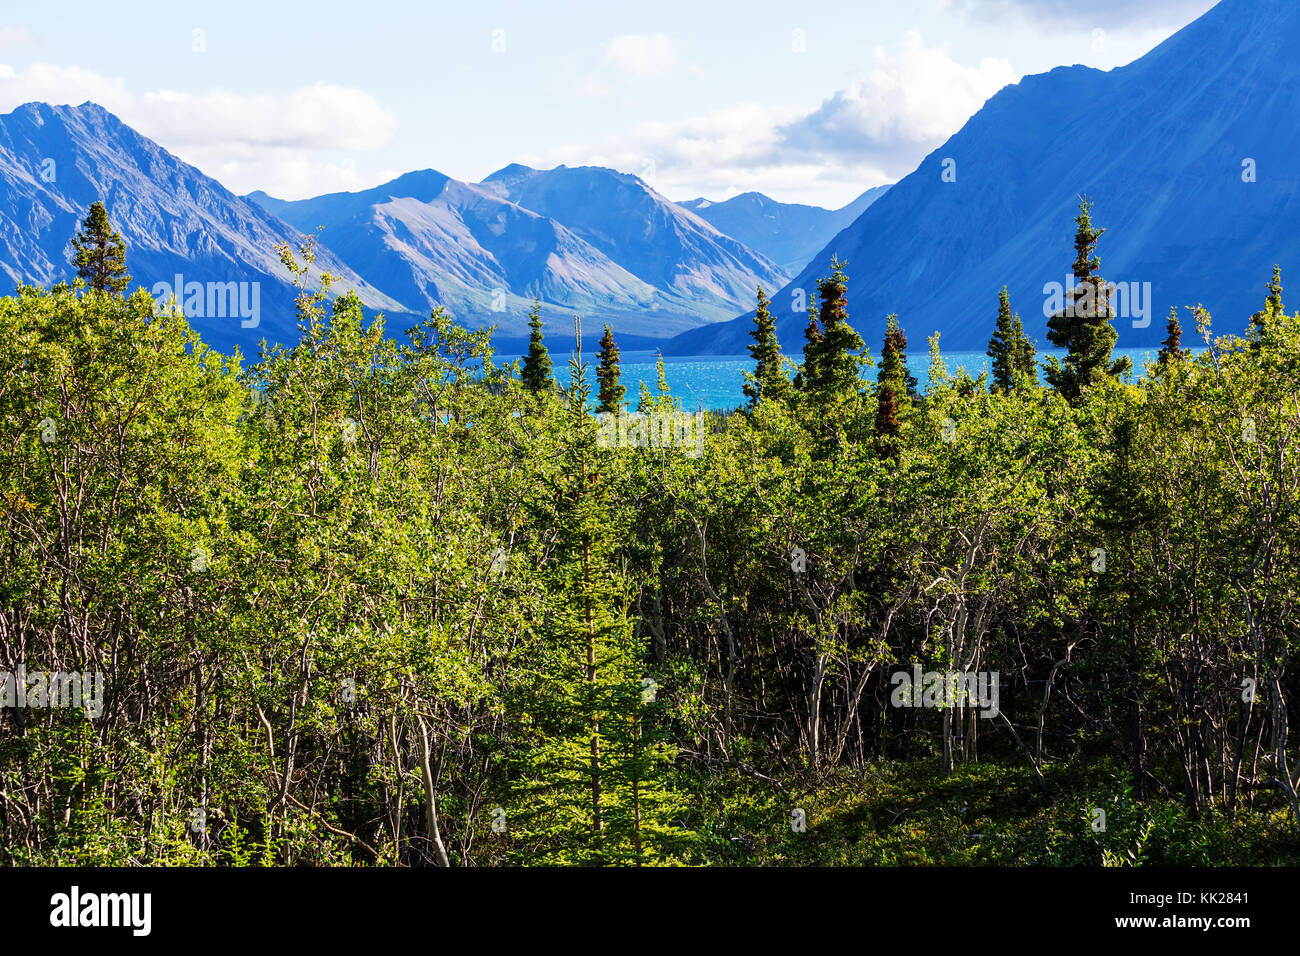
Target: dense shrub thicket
[371, 601]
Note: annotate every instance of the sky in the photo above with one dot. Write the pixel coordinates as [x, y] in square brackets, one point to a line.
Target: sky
[805, 103]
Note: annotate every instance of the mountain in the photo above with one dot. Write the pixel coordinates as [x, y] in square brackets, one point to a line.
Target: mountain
[1161, 146]
[602, 244]
[787, 233]
[586, 240]
[55, 161]
[428, 239]
[679, 254]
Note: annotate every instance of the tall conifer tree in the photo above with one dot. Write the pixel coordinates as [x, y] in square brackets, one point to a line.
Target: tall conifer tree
[1171, 349]
[592, 792]
[837, 362]
[809, 373]
[1012, 353]
[536, 372]
[1083, 328]
[607, 374]
[1259, 322]
[100, 253]
[1002, 345]
[893, 370]
[1025, 355]
[768, 378]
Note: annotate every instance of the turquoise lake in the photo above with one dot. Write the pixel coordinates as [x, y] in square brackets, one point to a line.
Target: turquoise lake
[716, 381]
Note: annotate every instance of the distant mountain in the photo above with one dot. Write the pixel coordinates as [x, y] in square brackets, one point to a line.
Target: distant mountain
[57, 160]
[1163, 146]
[787, 233]
[670, 248]
[593, 241]
[428, 239]
[599, 243]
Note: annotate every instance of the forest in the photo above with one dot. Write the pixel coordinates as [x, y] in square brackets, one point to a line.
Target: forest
[373, 599]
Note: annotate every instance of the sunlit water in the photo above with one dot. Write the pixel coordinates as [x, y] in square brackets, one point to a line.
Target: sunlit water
[717, 381]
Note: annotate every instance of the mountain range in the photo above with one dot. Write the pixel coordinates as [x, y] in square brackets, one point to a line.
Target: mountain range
[57, 160]
[1189, 154]
[789, 234]
[588, 240]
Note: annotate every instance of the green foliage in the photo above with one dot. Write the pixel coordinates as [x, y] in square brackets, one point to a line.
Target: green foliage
[607, 374]
[831, 359]
[768, 379]
[1262, 322]
[431, 597]
[536, 371]
[809, 373]
[99, 253]
[1171, 349]
[1012, 353]
[1083, 327]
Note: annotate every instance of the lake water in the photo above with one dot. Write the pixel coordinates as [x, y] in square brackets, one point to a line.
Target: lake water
[716, 381]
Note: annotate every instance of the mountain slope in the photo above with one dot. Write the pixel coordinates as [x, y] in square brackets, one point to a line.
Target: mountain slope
[789, 234]
[429, 239]
[1159, 145]
[589, 241]
[668, 247]
[57, 160]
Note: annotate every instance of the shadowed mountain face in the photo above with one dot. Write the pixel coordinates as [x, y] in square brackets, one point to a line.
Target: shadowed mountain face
[55, 161]
[1166, 147]
[787, 233]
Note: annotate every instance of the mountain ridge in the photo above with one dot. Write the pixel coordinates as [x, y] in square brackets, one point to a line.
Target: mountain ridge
[789, 234]
[57, 160]
[1158, 144]
[428, 239]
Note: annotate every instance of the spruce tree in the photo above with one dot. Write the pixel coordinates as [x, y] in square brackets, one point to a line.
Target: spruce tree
[836, 361]
[898, 375]
[768, 378]
[1012, 353]
[100, 255]
[1002, 345]
[809, 373]
[639, 822]
[1024, 355]
[1171, 349]
[887, 415]
[1259, 322]
[536, 373]
[611, 391]
[592, 791]
[1275, 291]
[1083, 328]
[893, 369]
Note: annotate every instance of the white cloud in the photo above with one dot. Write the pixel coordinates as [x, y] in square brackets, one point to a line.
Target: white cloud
[631, 57]
[913, 99]
[876, 130]
[1105, 13]
[322, 116]
[61, 84]
[268, 141]
[642, 55]
[16, 38]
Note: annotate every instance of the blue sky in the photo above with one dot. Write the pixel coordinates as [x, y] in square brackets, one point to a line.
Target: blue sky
[807, 103]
